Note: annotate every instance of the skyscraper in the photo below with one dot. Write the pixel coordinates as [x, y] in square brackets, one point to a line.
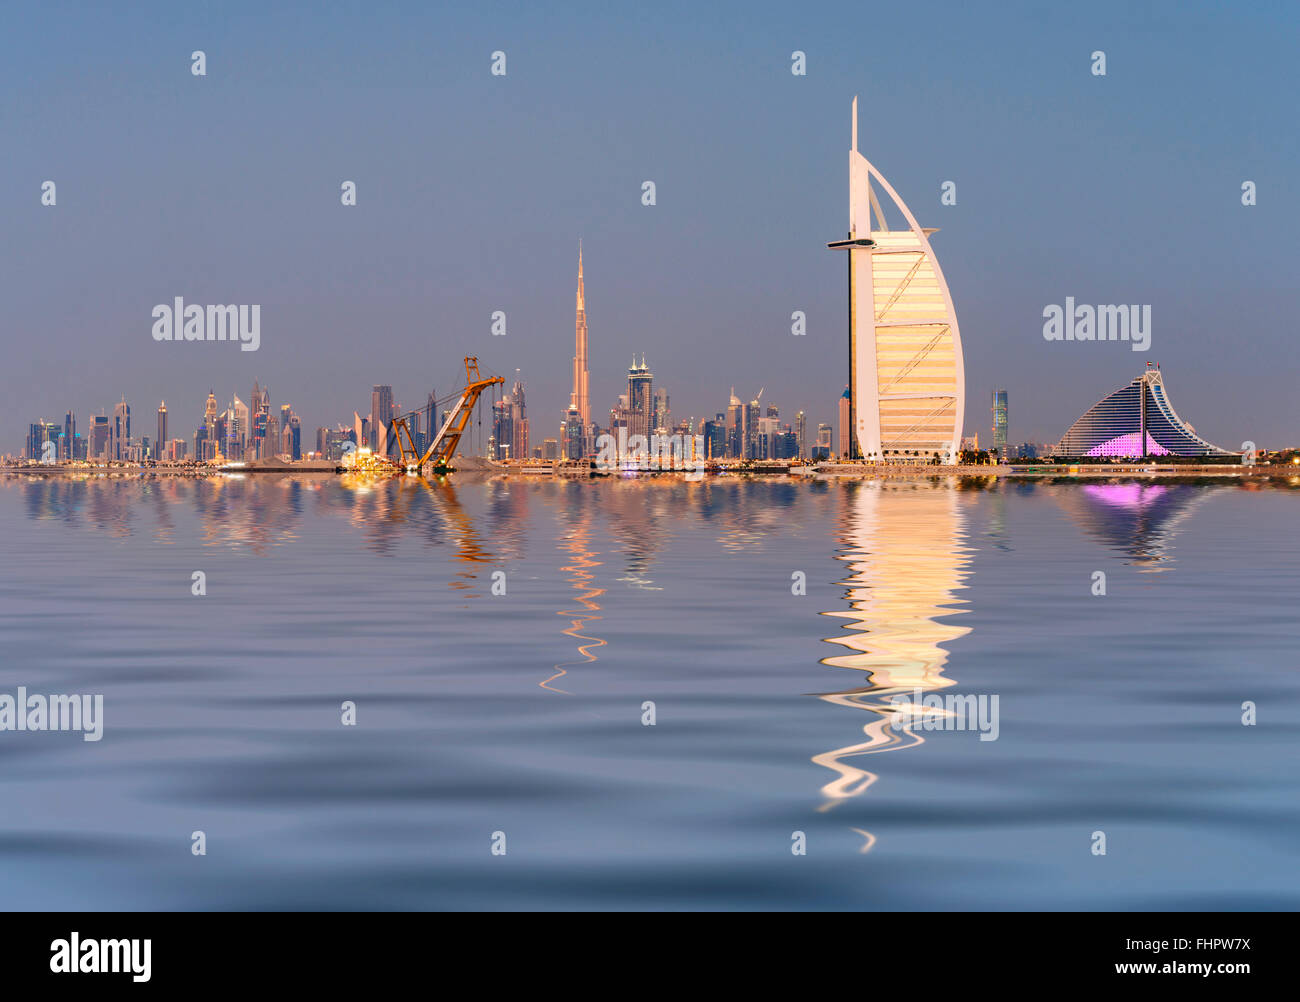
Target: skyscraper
[640, 399]
[99, 433]
[38, 435]
[430, 420]
[801, 434]
[1000, 423]
[572, 434]
[662, 414]
[238, 428]
[70, 442]
[735, 426]
[256, 424]
[579, 399]
[906, 374]
[822, 450]
[381, 416]
[518, 420]
[161, 441]
[845, 447]
[120, 430]
[209, 449]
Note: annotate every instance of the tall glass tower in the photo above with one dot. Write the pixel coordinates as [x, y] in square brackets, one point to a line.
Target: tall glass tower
[1000, 422]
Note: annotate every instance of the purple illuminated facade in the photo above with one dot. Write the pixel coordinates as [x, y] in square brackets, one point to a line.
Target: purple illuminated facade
[1127, 445]
[1134, 422]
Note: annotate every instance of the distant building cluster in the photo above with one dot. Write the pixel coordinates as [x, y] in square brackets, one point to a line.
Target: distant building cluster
[238, 431]
[742, 431]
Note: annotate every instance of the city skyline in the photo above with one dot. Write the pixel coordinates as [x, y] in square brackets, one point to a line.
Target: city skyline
[707, 278]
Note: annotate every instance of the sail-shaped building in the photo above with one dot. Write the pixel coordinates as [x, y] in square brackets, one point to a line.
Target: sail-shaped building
[905, 360]
[1137, 420]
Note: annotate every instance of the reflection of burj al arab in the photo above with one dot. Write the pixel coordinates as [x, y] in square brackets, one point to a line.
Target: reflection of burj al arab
[905, 547]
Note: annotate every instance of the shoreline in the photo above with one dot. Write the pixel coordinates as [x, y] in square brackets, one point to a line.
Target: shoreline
[822, 472]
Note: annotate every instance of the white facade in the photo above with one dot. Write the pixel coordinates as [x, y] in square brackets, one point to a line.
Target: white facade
[907, 375]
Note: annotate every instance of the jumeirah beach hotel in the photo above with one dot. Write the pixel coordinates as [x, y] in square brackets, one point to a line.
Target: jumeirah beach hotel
[1137, 420]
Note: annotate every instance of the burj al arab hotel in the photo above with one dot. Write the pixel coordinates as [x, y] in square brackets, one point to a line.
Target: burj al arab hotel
[905, 364]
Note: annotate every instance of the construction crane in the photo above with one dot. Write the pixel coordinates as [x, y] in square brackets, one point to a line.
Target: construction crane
[443, 448]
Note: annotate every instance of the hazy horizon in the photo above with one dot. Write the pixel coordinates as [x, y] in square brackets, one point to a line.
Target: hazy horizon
[473, 191]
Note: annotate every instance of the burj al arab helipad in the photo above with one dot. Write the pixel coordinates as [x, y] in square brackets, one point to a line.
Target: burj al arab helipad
[907, 381]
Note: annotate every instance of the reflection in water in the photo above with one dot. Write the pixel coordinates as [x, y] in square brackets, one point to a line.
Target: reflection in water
[446, 509]
[581, 578]
[1138, 519]
[905, 547]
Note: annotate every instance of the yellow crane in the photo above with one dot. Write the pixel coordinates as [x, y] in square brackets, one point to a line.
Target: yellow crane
[443, 448]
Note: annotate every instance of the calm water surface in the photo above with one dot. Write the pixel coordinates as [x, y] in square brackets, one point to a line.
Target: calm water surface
[775, 712]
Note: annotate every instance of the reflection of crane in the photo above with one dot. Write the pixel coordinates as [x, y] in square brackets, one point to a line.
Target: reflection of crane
[443, 448]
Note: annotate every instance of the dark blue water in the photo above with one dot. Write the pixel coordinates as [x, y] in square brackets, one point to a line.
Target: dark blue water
[775, 713]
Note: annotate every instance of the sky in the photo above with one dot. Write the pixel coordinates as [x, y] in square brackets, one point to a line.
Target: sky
[473, 191]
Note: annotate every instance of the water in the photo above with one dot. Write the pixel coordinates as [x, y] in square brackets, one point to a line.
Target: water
[522, 713]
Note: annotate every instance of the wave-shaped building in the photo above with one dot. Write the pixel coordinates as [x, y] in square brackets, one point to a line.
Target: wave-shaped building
[1137, 420]
[905, 361]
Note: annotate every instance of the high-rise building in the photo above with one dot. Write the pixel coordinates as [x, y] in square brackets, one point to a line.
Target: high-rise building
[618, 415]
[572, 434]
[38, 435]
[271, 444]
[221, 436]
[210, 440]
[501, 445]
[430, 421]
[510, 425]
[715, 437]
[822, 450]
[640, 399]
[120, 430]
[238, 428]
[161, 440]
[256, 425]
[97, 440]
[70, 440]
[580, 399]
[293, 434]
[844, 447]
[751, 415]
[735, 427]
[550, 449]
[662, 415]
[1000, 423]
[518, 420]
[381, 416]
[906, 375]
[414, 424]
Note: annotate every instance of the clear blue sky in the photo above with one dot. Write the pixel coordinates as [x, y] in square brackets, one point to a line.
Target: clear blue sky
[473, 191]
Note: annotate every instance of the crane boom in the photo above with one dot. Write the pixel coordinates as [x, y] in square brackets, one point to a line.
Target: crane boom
[443, 448]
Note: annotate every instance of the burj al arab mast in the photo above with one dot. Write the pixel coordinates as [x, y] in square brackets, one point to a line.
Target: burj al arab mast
[908, 384]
